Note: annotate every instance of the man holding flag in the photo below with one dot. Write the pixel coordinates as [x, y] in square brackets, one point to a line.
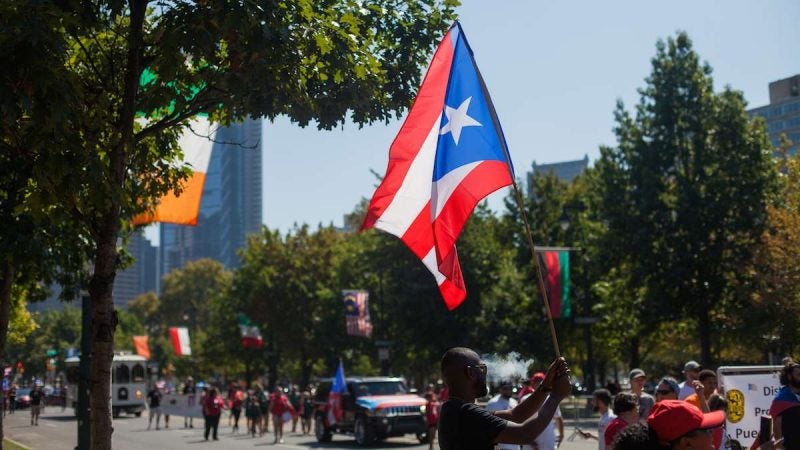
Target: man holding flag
[338, 388]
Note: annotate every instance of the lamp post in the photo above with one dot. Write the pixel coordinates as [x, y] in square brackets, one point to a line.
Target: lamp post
[587, 320]
[382, 344]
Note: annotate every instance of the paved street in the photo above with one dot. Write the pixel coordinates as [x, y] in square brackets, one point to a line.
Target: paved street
[57, 431]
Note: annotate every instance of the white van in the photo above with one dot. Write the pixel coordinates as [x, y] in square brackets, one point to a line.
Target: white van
[128, 383]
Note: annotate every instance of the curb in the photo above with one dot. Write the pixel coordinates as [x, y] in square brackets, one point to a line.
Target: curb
[17, 443]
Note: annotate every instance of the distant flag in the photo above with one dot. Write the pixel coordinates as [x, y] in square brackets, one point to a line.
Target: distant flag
[338, 388]
[71, 352]
[196, 143]
[251, 335]
[449, 154]
[356, 313]
[6, 371]
[142, 346]
[555, 265]
[180, 341]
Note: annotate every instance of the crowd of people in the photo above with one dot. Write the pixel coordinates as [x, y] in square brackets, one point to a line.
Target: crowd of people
[259, 406]
[681, 415]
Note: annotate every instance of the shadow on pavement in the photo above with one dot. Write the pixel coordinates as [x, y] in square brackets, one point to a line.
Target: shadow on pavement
[352, 444]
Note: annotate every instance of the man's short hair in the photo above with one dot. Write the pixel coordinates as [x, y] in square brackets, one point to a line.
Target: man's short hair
[706, 373]
[624, 402]
[603, 395]
[636, 436]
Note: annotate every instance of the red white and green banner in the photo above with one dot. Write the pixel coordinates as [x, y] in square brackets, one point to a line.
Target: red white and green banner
[555, 267]
[180, 341]
[251, 335]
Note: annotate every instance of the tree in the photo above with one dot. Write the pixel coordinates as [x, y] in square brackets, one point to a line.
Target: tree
[684, 191]
[310, 61]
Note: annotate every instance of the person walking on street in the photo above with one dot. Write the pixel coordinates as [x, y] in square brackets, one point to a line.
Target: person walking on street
[252, 412]
[465, 425]
[36, 404]
[601, 402]
[212, 410]
[307, 412]
[236, 400]
[431, 416]
[280, 408]
[190, 391]
[154, 404]
[263, 404]
[294, 400]
[12, 398]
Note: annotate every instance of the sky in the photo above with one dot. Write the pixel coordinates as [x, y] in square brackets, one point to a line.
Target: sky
[555, 70]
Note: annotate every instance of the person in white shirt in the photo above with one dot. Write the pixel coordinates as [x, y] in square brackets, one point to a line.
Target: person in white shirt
[547, 440]
[601, 401]
[504, 400]
[691, 370]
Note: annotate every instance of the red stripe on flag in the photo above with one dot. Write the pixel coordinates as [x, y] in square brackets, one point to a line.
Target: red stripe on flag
[484, 179]
[426, 109]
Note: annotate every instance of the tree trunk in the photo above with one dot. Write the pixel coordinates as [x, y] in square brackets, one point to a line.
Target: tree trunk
[704, 331]
[101, 285]
[635, 358]
[5, 309]
[103, 327]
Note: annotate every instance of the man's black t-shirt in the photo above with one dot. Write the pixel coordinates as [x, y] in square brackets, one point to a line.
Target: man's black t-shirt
[467, 426]
[790, 427]
[154, 397]
[36, 397]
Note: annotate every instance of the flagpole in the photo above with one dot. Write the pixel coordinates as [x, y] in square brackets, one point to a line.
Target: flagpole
[518, 196]
[537, 267]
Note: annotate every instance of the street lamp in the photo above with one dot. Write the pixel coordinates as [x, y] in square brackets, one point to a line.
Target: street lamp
[587, 320]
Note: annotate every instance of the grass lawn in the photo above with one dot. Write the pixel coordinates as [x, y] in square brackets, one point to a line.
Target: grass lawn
[11, 446]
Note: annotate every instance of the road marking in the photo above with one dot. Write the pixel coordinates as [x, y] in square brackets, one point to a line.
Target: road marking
[25, 447]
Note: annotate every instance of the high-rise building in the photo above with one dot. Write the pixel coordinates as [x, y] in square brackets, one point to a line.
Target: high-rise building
[140, 276]
[231, 204]
[564, 170]
[783, 112]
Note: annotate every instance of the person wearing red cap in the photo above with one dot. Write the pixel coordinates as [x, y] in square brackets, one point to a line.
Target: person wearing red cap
[682, 426]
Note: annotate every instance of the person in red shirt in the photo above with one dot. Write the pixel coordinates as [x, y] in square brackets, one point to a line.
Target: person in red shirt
[431, 416]
[212, 409]
[626, 407]
[278, 406]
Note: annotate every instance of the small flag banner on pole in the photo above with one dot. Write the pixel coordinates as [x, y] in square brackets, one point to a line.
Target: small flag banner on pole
[251, 335]
[556, 280]
[338, 388]
[142, 346]
[180, 341]
[356, 313]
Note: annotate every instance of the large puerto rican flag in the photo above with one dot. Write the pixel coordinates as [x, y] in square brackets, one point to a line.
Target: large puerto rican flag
[449, 154]
[338, 387]
[182, 208]
[180, 341]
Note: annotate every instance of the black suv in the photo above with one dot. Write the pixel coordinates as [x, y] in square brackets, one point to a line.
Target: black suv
[374, 408]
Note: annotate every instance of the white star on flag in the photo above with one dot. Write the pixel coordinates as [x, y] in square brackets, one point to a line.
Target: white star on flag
[457, 119]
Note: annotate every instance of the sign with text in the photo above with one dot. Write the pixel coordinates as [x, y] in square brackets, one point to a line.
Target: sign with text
[181, 405]
[749, 391]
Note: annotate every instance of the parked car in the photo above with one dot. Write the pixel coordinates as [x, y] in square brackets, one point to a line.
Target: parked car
[23, 398]
[374, 408]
